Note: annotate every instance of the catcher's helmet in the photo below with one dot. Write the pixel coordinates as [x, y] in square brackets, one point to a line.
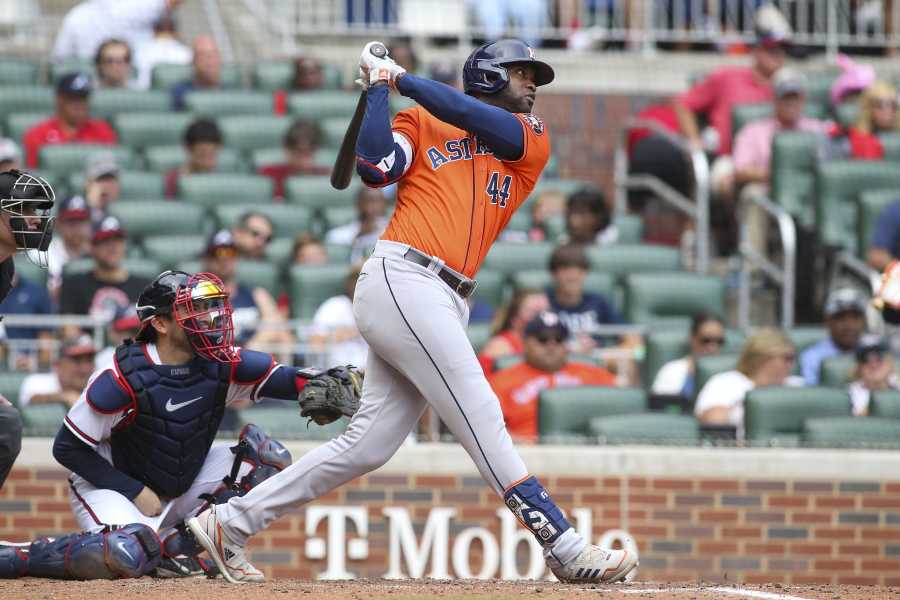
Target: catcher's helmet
[28, 199]
[485, 69]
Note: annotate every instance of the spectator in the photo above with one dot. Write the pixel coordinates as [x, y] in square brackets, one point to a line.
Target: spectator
[300, 144]
[101, 186]
[401, 51]
[202, 143]
[767, 359]
[26, 298]
[207, 72]
[528, 16]
[677, 377]
[588, 220]
[10, 155]
[72, 122]
[308, 75]
[877, 115]
[509, 326]
[113, 64]
[546, 366]
[845, 318]
[109, 286]
[125, 325]
[65, 384]
[885, 245]
[91, 22]
[251, 305]
[875, 370]
[73, 224]
[334, 330]
[309, 250]
[445, 72]
[252, 235]
[371, 220]
[163, 49]
[854, 78]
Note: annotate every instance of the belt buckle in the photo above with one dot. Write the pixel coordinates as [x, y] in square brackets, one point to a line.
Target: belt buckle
[466, 287]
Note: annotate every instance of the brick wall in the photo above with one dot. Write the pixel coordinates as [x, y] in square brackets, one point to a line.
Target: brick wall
[738, 530]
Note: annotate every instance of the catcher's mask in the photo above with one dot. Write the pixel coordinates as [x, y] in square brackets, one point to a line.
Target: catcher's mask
[203, 310]
[28, 200]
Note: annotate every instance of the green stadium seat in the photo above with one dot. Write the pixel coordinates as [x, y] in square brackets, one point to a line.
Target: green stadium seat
[315, 191]
[140, 185]
[161, 217]
[646, 428]
[26, 99]
[837, 371]
[212, 190]
[222, 103]
[479, 334]
[281, 421]
[630, 229]
[271, 76]
[625, 259]
[333, 131]
[847, 113]
[885, 403]
[166, 75]
[569, 410]
[288, 220]
[43, 419]
[18, 72]
[871, 203]
[64, 67]
[280, 250]
[260, 273]
[805, 336]
[707, 366]
[818, 87]
[106, 103]
[852, 432]
[563, 186]
[68, 158]
[11, 382]
[146, 129]
[335, 216]
[142, 267]
[745, 113]
[838, 185]
[165, 158]
[661, 346]
[322, 104]
[312, 285]
[890, 141]
[18, 123]
[519, 222]
[398, 103]
[491, 288]
[794, 159]
[262, 157]
[246, 132]
[598, 283]
[510, 258]
[659, 297]
[170, 250]
[505, 362]
[776, 414]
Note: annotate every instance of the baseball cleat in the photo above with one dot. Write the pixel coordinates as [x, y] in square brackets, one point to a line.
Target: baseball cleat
[173, 567]
[597, 565]
[228, 556]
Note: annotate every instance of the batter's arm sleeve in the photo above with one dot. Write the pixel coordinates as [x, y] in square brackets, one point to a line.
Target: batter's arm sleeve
[81, 459]
[382, 156]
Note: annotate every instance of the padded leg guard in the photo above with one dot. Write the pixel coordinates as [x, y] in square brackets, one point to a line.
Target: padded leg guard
[534, 509]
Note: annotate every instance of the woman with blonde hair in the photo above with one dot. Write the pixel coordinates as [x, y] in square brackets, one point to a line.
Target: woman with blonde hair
[766, 359]
[877, 115]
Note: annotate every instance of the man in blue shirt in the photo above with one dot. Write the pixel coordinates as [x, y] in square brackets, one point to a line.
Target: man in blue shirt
[26, 298]
[845, 317]
[885, 244]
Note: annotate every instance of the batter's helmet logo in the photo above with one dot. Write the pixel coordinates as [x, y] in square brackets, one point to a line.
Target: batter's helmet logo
[537, 126]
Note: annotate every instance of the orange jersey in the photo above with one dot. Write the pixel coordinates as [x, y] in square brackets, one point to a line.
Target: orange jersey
[519, 386]
[456, 196]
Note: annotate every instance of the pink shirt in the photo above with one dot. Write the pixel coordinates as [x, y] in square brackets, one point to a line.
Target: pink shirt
[753, 144]
[721, 91]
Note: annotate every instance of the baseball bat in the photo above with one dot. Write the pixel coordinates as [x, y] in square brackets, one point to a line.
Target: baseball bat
[345, 163]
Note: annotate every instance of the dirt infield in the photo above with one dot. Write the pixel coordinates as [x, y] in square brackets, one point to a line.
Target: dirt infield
[202, 589]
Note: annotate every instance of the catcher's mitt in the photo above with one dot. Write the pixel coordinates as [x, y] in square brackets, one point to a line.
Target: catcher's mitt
[330, 394]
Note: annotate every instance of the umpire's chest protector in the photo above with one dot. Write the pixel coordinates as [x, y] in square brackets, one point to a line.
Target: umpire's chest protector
[177, 411]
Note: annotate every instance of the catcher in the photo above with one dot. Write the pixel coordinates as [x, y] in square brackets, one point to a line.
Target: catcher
[139, 441]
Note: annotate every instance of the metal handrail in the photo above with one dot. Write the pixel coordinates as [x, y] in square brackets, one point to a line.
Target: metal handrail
[697, 208]
[783, 275]
[847, 261]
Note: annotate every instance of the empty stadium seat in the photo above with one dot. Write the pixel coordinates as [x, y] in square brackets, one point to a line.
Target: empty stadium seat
[287, 220]
[534, 279]
[871, 203]
[805, 336]
[170, 250]
[478, 334]
[165, 158]
[18, 123]
[847, 113]
[510, 258]
[281, 421]
[246, 132]
[140, 185]
[333, 131]
[261, 273]
[338, 254]
[18, 72]
[68, 158]
[279, 250]
[646, 428]
[568, 411]
[212, 190]
[885, 403]
[161, 217]
[851, 432]
[105, 103]
[11, 382]
[315, 191]
[890, 141]
[43, 419]
[322, 104]
[71, 65]
[491, 287]
[262, 157]
[166, 75]
[30, 271]
[279, 75]
[147, 268]
[335, 216]
[660, 297]
[146, 129]
[707, 366]
[818, 87]
[221, 103]
[776, 414]
[794, 159]
[26, 99]
[837, 371]
[312, 285]
[630, 229]
[624, 259]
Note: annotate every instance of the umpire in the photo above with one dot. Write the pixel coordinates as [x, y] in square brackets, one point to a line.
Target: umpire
[26, 201]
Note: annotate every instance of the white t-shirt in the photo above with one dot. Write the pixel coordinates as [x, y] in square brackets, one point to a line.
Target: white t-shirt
[727, 390]
[860, 395]
[671, 377]
[38, 384]
[57, 257]
[159, 51]
[337, 312]
[92, 22]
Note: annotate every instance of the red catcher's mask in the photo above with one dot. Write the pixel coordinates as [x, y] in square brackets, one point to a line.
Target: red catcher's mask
[203, 310]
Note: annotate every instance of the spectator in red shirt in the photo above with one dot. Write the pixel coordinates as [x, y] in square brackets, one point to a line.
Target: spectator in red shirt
[546, 366]
[72, 122]
[202, 142]
[300, 144]
[509, 326]
[877, 115]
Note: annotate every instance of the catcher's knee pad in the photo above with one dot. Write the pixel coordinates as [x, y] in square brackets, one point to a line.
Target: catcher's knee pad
[534, 509]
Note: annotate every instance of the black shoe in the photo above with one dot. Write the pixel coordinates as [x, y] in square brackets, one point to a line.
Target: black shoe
[185, 566]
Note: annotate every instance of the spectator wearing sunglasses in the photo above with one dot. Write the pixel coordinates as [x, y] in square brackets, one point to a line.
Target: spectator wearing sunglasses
[546, 365]
[845, 318]
[677, 377]
[252, 235]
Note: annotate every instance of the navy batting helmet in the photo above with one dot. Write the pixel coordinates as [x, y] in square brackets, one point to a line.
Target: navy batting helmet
[485, 69]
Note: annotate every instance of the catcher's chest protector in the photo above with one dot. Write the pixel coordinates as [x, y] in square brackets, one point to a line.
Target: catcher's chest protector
[177, 412]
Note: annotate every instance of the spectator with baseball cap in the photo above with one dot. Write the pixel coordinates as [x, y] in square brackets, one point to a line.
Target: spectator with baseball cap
[108, 286]
[101, 182]
[207, 71]
[124, 325]
[71, 240]
[202, 144]
[72, 123]
[546, 365]
[68, 379]
[875, 370]
[845, 318]
[10, 155]
[300, 143]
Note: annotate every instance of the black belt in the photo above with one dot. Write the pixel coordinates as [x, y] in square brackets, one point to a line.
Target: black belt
[458, 283]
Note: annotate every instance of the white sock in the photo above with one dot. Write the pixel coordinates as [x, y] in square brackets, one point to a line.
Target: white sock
[564, 550]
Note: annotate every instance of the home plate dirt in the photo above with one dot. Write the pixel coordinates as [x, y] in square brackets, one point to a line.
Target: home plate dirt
[204, 589]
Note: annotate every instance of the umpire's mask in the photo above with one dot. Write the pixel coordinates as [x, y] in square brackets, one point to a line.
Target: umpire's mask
[28, 199]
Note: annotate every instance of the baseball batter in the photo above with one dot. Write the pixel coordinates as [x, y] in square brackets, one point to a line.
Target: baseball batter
[463, 163]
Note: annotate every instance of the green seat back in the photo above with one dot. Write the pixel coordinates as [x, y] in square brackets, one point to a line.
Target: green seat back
[491, 288]
[569, 410]
[166, 75]
[818, 87]
[805, 336]
[847, 113]
[11, 382]
[261, 273]
[148, 268]
[71, 65]
[742, 114]
[507, 361]
[138, 185]
[322, 104]
[871, 203]
[707, 366]
[333, 130]
[794, 157]
[646, 428]
[221, 103]
[165, 158]
[661, 346]
[43, 419]
[18, 72]
[315, 191]
[837, 371]
[630, 229]
[272, 75]
[772, 412]
[214, 189]
[26, 99]
[890, 141]
[511, 257]
[852, 432]
[287, 220]
[335, 216]
[170, 250]
[838, 185]
[338, 254]
[18, 123]
[160, 217]
[247, 132]
[262, 157]
[312, 285]
[656, 297]
[106, 103]
[146, 129]
[595, 282]
[885, 403]
[624, 259]
[280, 420]
[30, 271]
[478, 334]
[68, 158]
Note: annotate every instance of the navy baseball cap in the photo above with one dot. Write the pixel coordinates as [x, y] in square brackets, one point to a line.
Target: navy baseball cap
[108, 227]
[869, 344]
[74, 208]
[75, 84]
[221, 243]
[546, 321]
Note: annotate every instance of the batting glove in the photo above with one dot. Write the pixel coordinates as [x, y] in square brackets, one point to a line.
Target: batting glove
[374, 69]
